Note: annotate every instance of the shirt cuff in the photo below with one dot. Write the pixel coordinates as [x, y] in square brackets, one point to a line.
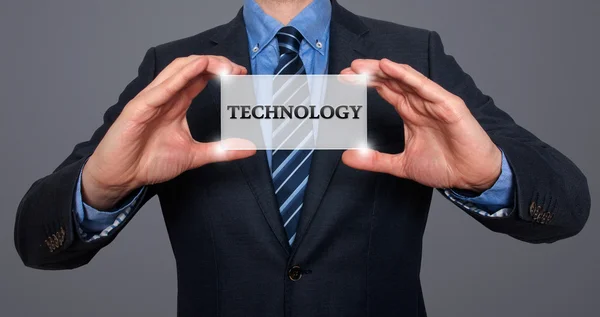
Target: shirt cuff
[499, 198]
[92, 221]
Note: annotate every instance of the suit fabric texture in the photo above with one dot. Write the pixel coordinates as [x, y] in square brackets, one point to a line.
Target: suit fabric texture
[359, 240]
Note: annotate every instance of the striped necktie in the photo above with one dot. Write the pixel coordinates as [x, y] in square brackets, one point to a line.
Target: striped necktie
[290, 165]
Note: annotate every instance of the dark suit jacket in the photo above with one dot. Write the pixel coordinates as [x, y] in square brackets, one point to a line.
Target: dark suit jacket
[358, 246]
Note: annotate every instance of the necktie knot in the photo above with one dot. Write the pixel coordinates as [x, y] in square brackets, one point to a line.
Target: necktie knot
[289, 39]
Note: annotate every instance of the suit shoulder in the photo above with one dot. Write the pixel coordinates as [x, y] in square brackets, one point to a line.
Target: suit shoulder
[386, 29]
[190, 45]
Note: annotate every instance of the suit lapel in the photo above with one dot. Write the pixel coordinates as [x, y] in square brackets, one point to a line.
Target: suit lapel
[232, 43]
[345, 45]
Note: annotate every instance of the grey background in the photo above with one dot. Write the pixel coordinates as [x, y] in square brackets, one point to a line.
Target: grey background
[64, 62]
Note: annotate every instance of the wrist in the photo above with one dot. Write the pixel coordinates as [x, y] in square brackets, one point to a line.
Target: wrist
[487, 180]
[101, 194]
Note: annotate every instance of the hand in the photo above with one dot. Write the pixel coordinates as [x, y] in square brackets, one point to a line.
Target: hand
[445, 147]
[150, 142]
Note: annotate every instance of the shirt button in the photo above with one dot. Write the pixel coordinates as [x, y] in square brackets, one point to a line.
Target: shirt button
[255, 48]
[295, 273]
[319, 45]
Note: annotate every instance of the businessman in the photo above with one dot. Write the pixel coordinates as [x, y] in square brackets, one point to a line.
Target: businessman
[343, 236]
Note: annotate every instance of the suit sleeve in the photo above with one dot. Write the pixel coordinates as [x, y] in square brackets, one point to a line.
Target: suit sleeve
[552, 199]
[46, 235]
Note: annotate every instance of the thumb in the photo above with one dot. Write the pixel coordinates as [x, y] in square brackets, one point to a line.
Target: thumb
[223, 151]
[374, 161]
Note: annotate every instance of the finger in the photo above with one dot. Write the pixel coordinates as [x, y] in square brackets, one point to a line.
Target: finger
[187, 94]
[174, 67]
[392, 96]
[236, 69]
[226, 150]
[374, 161]
[170, 87]
[347, 71]
[163, 92]
[418, 82]
[372, 80]
[194, 88]
[198, 84]
[368, 67]
[239, 70]
[177, 64]
[218, 65]
[376, 77]
[351, 78]
[389, 88]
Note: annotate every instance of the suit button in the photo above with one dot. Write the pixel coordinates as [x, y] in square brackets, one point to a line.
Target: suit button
[295, 273]
[533, 208]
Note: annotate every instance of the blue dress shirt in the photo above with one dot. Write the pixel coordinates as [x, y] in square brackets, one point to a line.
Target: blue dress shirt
[313, 22]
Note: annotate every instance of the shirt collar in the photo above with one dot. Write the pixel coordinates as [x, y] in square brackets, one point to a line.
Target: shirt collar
[312, 22]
